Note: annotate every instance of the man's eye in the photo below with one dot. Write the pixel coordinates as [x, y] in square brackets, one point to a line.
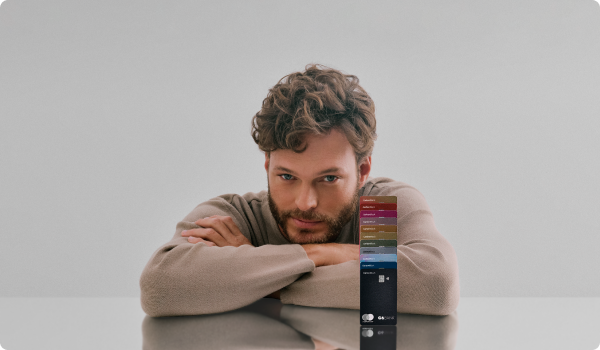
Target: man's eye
[286, 176]
[330, 178]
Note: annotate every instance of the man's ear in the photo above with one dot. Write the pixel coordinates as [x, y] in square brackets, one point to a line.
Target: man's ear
[267, 162]
[364, 170]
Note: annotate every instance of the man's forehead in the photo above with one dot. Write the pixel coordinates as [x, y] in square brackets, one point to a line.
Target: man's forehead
[323, 153]
[312, 157]
[310, 164]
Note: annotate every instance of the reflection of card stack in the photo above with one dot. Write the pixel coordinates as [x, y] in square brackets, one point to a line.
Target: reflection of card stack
[378, 260]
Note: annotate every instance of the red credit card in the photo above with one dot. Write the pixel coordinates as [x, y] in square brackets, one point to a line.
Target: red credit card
[378, 206]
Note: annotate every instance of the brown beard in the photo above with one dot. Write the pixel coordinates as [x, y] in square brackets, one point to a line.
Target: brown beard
[334, 224]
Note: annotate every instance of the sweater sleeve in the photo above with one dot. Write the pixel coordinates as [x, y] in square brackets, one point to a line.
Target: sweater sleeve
[182, 278]
[427, 267]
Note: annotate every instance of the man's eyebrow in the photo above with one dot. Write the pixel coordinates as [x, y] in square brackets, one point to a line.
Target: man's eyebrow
[329, 170]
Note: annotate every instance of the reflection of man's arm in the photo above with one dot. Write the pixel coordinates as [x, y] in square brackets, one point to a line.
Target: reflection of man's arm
[427, 268]
[183, 278]
[247, 328]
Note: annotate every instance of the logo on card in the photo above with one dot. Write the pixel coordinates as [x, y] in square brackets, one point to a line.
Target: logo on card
[367, 317]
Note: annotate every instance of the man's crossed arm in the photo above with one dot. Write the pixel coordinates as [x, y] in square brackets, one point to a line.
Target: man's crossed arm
[221, 270]
[221, 231]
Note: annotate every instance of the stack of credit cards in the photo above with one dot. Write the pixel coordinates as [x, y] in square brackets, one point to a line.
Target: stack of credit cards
[378, 259]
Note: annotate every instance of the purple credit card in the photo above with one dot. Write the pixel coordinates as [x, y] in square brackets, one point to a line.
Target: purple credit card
[378, 213]
[378, 221]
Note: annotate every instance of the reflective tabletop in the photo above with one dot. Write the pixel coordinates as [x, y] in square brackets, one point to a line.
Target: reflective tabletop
[119, 323]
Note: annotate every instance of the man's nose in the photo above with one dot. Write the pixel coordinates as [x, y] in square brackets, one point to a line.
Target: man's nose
[307, 198]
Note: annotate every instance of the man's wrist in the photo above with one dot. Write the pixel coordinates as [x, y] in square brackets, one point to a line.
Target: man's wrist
[313, 251]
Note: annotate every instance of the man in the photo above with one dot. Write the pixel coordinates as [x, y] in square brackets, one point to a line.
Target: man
[298, 241]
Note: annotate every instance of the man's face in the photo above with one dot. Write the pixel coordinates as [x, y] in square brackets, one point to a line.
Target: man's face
[313, 194]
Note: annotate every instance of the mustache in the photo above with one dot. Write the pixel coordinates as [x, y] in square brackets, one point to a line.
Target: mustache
[305, 215]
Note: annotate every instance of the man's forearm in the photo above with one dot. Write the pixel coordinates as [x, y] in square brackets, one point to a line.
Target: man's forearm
[331, 253]
[427, 283]
[327, 286]
[190, 279]
[427, 275]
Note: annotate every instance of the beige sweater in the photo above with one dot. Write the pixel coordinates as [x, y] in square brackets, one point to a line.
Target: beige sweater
[182, 278]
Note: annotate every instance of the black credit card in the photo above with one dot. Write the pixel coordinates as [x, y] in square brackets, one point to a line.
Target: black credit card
[378, 296]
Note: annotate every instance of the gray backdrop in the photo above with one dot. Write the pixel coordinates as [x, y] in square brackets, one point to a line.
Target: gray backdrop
[118, 117]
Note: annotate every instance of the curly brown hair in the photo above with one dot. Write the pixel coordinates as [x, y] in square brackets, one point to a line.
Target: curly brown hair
[314, 102]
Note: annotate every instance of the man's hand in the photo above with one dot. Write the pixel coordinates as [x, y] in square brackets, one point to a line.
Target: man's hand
[331, 253]
[217, 231]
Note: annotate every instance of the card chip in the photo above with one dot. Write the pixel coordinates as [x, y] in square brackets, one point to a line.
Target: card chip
[381, 278]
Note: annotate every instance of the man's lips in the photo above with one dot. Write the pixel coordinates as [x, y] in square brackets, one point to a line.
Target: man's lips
[305, 224]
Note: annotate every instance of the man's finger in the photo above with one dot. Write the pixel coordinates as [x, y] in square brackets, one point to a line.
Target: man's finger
[217, 223]
[195, 240]
[230, 224]
[189, 233]
[207, 234]
[239, 238]
[228, 221]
